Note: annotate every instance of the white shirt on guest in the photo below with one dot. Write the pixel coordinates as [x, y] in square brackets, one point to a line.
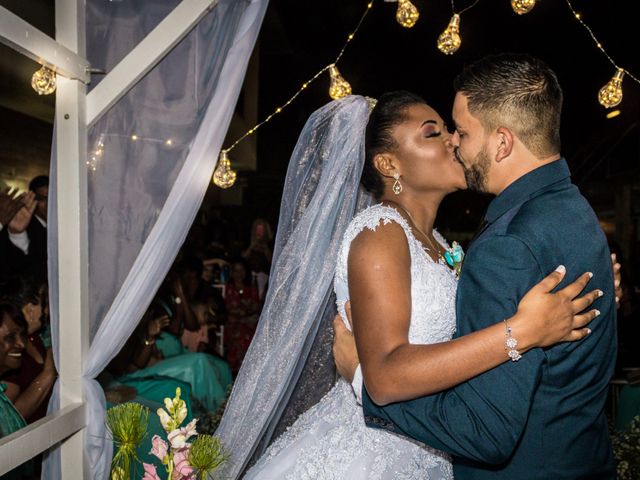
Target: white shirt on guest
[20, 240]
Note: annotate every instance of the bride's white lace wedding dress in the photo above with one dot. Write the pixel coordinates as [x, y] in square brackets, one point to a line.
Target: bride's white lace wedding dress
[331, 440]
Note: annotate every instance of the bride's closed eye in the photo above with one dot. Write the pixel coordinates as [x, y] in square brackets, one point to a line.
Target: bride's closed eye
[431, 131]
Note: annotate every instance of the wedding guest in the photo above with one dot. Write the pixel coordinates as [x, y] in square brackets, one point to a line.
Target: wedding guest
[30, 386]
[260, 243]
[243, 308]
[12, 327]
[37, 228]
[152, 358]
[16, 211]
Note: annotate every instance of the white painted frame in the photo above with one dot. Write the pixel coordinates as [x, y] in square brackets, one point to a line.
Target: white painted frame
[75, 111]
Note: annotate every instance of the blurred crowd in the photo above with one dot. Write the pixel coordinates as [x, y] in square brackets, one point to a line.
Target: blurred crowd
[194, 334]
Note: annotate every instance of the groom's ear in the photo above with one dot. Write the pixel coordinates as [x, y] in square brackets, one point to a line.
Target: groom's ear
[504, 139]
[385, 164]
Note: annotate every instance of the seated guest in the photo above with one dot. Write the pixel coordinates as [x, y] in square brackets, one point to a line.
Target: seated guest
[241, 297]
[260, 243]
[12, 327]
[197, 341]
[154, 355]
[243, 308]
[29, 387]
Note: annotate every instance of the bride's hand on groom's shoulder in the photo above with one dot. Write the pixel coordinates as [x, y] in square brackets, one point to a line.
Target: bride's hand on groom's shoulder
[345, 354]
[545, 318]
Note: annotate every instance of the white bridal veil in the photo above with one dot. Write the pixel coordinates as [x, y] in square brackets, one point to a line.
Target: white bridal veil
[288, 366]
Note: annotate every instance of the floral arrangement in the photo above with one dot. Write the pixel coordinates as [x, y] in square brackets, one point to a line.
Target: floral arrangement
[454, 257]
[181, 460]
[626, 450]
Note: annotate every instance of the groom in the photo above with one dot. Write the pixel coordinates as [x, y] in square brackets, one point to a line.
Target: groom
[541, 417]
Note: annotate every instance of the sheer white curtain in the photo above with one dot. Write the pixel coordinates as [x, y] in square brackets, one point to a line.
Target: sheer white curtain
[150, 160]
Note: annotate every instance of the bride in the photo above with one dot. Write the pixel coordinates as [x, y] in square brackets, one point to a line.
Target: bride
[318, 235]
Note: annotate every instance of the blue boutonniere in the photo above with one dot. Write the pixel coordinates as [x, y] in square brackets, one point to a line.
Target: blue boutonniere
[454, 257]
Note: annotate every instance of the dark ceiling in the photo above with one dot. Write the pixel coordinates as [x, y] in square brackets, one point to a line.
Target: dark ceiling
[299, 37]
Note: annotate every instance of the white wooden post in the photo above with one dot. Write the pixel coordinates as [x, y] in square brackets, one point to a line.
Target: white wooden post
[72, 230]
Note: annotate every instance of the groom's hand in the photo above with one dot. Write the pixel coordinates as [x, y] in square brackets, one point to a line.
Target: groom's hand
[345, 354]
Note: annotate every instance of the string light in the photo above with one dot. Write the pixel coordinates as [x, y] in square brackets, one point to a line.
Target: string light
[407, 14]
[613, 113]
[339, 87]
[224, 176]
[610, 95]
[332, 69]
[522, 6]
[43, 81]
[449, 41]
[94, 156]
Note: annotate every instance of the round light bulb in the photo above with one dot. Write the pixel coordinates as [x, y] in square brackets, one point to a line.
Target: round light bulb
[449, 41]
[43, 81]
[611, 94]
[339, 87]
[407, 14]
[522, 6]
[224, 176]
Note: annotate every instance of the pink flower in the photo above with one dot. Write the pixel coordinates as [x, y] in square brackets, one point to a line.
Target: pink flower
[182, 469]
[178, 438]
[159, 448]
[150, 472]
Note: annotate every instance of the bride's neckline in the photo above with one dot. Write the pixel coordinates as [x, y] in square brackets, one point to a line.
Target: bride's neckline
[436, 246]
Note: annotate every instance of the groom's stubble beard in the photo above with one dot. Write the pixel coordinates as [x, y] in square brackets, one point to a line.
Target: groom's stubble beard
[477, 174]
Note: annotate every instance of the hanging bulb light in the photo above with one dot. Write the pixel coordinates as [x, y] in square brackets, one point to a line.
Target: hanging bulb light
[407, 14]
[449, 41]
[611, 94]
[522, 6]
[43, 81]
[224, 176]
[339, 87]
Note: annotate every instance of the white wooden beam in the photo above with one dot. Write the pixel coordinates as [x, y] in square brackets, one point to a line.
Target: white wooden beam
[26, 443]
[31, 42]
[145, 56]
[71, 189]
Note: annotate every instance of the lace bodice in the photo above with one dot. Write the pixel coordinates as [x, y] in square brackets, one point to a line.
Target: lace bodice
[433, 285]
[330, 441]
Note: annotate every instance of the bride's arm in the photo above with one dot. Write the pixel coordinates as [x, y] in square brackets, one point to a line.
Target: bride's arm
[395, 370]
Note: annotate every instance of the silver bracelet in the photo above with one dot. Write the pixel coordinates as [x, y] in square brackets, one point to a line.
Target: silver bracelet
[511, 343]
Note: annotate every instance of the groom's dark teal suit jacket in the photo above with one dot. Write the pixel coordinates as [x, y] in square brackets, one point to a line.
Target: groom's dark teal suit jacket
[543, 416]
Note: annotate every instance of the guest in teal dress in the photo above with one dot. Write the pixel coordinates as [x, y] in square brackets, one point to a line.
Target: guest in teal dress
[153, 355]
[12, 332]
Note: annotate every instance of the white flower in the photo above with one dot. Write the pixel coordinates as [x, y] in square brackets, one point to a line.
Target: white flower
[178, 438]
[165, 419]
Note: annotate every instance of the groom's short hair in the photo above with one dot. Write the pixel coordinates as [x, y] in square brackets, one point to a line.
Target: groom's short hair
[518, 92]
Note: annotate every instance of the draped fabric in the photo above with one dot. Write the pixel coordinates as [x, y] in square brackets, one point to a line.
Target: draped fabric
[321, 196]
[149, 162]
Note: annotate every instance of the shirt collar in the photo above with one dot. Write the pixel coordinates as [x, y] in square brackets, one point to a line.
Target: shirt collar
[526, 186]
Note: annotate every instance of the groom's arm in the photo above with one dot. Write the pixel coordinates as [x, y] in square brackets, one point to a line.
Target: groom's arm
[483, 418]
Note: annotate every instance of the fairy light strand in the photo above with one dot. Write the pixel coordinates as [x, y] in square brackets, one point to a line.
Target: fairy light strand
[453, 7]
[578, 17]
[278, 110]
[351, 36]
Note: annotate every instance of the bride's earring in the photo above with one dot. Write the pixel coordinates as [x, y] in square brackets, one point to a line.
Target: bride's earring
[397, 186]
